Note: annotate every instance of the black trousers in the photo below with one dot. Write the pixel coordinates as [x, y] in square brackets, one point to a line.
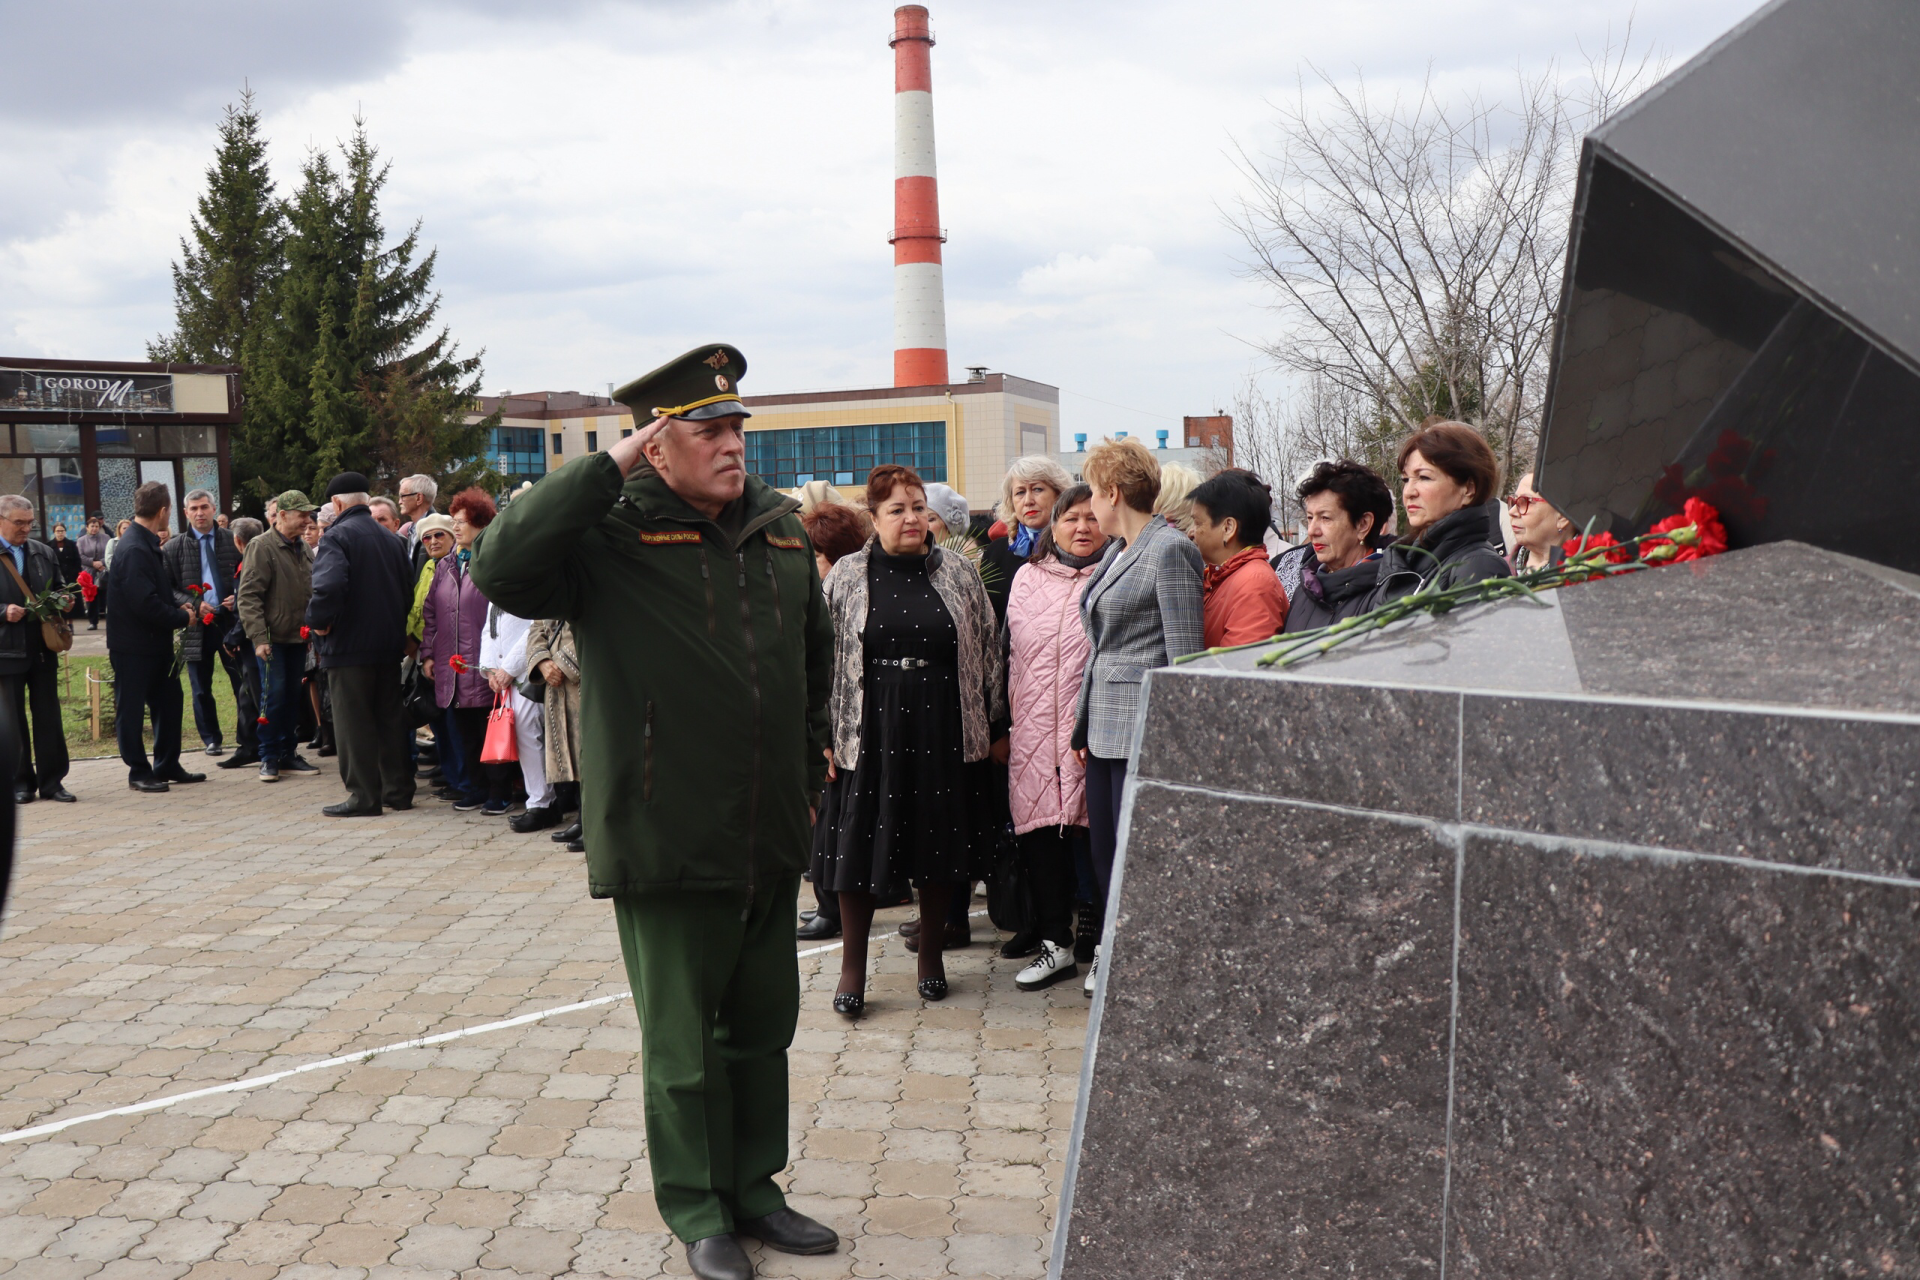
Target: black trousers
[370, 733]
[1048, 852]
[1106, 784]
[144, 683]
[34, 695]
[201, 673]
[245, 670]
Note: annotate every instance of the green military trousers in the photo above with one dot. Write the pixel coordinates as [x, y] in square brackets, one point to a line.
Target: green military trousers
[718, 999]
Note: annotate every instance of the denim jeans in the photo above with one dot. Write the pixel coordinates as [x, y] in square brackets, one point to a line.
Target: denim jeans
[280, 701]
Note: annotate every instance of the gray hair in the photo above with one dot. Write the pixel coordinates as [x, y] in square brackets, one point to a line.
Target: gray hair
[12, 502]
[196, 495]
[392, 506]
[246, 529]
[325, 515]
[425, 486]
[1035, 466]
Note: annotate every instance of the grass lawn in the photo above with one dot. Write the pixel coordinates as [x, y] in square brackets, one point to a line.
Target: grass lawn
[74, 672]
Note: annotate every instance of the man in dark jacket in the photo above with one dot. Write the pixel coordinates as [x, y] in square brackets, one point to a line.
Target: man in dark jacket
[362, 590]
[204, 566]
[141, 619]
[29, 671]
[701, 631]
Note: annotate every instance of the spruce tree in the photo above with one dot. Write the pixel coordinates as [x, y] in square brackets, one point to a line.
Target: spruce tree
[233, 254]
[350, 374]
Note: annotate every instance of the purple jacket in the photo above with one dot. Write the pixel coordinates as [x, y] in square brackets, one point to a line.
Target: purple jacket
[452, 620]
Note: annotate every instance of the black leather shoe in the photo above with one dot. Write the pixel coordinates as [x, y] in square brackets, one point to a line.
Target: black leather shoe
[933, 988]
[719, 1258]
[790, 1232]
[1024, 943]
[152, 786]
[183, 777]
[576, 846]
[848, 1004]
[350, 809]
[817, 928]
[568, 834]
[952, 938]
[909, 928]
[534, 820]
[399, 806]
[23, 795]
[241, 759]
[57, 792]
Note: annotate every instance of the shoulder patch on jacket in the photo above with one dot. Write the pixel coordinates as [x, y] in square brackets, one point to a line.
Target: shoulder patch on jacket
[790, 544]
[668, 537]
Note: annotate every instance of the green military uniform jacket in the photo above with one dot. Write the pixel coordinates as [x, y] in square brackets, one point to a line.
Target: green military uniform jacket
[705, 671]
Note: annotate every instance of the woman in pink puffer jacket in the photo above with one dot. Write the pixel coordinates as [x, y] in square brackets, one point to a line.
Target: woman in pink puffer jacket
[1046, 783]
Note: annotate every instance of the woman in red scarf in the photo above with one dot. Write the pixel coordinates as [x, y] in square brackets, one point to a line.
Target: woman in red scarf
[1241, 598]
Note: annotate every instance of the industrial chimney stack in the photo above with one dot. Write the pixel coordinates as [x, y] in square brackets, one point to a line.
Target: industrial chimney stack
[919, 297]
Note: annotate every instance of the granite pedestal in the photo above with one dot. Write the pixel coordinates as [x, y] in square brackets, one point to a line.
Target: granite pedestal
[1576, 939]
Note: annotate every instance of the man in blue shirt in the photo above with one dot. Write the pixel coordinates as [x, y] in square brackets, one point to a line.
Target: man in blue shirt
[205, 567]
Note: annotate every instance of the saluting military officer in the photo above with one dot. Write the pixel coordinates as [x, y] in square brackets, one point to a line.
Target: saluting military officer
[705, 655]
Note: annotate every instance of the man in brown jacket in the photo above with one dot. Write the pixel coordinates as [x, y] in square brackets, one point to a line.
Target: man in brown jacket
[276, 579]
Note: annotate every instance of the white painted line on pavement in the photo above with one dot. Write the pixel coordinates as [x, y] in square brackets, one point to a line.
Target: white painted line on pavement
[361, 1055]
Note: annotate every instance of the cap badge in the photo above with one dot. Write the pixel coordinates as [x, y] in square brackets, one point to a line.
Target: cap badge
[720, 381]
[717, 360]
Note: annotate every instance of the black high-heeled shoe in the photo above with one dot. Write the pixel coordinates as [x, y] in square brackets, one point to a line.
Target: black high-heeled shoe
[933, 988]
[848, 1004]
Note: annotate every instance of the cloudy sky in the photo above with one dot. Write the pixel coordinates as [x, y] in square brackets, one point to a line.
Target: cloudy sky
[611, 183]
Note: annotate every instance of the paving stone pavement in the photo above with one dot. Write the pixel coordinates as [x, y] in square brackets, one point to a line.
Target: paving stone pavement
[156, 945]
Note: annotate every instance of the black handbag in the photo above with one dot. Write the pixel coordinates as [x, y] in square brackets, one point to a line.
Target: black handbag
[416, 689]
[1009, 894]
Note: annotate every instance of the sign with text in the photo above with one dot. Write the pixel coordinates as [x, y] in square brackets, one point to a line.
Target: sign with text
[77, 391]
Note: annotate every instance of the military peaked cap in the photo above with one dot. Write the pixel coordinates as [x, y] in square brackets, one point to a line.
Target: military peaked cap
[704, 383]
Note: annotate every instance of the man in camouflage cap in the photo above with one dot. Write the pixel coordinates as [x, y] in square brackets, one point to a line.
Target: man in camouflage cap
[705, 656]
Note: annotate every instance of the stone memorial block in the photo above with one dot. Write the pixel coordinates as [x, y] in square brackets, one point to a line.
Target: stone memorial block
[1741, 316]
[1573, 938]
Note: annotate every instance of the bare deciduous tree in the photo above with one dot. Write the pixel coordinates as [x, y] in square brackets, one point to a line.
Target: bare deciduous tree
[1416, 248]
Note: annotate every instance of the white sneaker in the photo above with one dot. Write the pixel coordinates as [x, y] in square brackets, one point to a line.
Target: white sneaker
[1093, 971]
[1053, 964]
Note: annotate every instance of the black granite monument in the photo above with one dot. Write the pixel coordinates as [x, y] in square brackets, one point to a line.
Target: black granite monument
[1579, 938]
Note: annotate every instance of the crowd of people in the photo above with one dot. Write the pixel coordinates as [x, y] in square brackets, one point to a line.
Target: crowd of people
[986, 689]
[350, 628]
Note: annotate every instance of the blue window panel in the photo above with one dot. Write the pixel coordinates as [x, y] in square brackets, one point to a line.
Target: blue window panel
[786, 458]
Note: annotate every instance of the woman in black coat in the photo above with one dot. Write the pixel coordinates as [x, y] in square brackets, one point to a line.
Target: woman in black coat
[1348, 510]
[1450, 487]
[66, 553]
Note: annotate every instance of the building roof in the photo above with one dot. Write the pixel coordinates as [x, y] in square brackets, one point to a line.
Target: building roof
[1797, 136]
[992, 382]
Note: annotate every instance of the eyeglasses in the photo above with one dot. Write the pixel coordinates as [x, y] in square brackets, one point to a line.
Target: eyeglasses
[1521, 503]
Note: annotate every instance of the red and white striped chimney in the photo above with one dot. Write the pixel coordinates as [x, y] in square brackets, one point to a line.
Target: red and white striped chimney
[919, 297]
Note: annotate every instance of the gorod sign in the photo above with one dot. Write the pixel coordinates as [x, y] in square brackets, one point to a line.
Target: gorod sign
[78, 391]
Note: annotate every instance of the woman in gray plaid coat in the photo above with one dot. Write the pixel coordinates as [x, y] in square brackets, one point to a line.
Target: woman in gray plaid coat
[1141, 610]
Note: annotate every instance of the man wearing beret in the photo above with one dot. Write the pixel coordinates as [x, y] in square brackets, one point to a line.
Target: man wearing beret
[362, 590]
[705, 666]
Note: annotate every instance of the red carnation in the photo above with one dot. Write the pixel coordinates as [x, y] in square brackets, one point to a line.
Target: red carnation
[459, 664]
[261, 720]
[304, 633]
[1700, 530]
[1598, 549]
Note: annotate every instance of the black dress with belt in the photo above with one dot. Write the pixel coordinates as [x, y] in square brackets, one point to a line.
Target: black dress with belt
[913, 811]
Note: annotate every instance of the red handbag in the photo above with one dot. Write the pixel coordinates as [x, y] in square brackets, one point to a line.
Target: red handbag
[501, 746]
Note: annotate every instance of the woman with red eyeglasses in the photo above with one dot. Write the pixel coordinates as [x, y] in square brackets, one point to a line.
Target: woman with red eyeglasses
[1539, 530]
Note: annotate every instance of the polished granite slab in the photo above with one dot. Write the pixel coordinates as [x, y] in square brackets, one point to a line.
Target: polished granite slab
[1729, 329]
[1562, 940]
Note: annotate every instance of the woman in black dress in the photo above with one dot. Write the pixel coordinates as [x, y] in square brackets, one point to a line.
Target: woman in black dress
[917, 697]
